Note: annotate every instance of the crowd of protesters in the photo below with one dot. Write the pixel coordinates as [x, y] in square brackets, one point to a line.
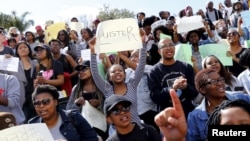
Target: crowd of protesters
[139, 92]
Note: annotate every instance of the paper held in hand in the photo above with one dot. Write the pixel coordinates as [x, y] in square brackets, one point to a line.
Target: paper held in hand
[27, 132]
[9, 64]
[186, 24]
[95, 117]
[118, 35]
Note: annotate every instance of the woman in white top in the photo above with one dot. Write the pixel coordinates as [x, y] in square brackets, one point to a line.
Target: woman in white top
[231, 82]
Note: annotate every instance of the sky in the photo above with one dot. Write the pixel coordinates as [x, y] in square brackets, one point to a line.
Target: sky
[63, 10]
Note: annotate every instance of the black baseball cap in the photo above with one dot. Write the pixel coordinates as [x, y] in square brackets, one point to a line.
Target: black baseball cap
[112, 101]
[84, 65]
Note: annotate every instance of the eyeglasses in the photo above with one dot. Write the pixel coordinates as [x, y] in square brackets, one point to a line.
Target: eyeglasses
[215, 81]
[40, 51]
[44, 102]
[117, 111]
[232, 34]
[171, 45]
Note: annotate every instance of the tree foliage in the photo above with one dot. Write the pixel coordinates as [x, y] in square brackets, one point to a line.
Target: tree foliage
[107, 13]
[5, 20]
[13, 20]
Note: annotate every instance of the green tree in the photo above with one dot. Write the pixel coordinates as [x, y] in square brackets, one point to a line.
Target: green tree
[5, 20]
[107, 13]
[20, 22]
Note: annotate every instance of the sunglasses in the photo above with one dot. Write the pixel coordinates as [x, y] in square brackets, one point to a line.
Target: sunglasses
[44, 102]
[13, 34]
[40, 51]
[84, 69]
[117, 111]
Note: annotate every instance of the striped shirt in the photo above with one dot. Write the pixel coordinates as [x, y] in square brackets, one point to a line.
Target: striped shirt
[107, 89]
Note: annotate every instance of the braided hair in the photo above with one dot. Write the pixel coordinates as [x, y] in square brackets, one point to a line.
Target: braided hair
[215, 117]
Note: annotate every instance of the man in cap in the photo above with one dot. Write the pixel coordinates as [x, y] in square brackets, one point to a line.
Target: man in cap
[40, 34]
[117, 111]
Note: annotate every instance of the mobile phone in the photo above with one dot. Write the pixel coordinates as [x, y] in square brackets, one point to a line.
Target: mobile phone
[40, 73]
[87, 96]
[112, 58]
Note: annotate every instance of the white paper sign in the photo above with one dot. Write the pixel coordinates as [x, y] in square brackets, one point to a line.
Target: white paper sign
[26, 132]
[186, 24]
[157, 24]
[85, 54]
[77, 26]
[95, 117]
[9, 64]
[118, 35]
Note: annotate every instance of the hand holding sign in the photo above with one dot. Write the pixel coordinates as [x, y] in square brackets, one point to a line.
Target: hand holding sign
[117, 35]
[172, 121]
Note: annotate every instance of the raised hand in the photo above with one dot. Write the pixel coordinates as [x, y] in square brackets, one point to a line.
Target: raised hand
[172, 121]
[91, 44]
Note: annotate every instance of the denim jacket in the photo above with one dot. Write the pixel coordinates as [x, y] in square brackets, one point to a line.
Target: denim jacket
[74, 127]
[197, 119]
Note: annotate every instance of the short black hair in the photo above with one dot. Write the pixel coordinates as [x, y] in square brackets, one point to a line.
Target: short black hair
[148, 21]
[193, 31]
[54, 40]
[45, 88]
[74, 18]
[11, 40]
[141, 13]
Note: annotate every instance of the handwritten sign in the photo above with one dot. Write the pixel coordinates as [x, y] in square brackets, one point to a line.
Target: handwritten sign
[9, 64]
[26, 132]
[219, 50]
[117, 35]
[95, 117]
[183, 52]
[52, 31]
[157, 24]
[245, 15]
[77, 26]
[85, 54]
[186, 24]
